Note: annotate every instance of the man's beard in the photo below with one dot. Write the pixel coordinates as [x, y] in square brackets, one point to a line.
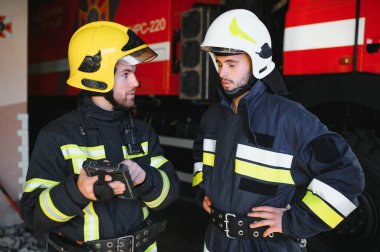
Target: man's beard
[239, 84]
[125, 103]
[242, 86]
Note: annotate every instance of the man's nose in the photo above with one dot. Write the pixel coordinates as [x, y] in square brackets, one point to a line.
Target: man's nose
[222, 71]
[133, 82]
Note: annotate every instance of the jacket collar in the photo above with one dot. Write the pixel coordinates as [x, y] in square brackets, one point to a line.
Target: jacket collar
[250, 99]
[249, 102]
[95, 115]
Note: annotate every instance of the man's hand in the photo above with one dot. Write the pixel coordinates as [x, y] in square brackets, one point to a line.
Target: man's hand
[118, 187]
[137, 173]
[207, 204]
[86, 185]
[271, 216]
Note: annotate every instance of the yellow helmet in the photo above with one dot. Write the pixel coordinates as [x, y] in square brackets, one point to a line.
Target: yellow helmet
[94, 50]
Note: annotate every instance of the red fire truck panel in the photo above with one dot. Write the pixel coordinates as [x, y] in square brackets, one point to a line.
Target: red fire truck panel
[320, 36]
[53, 24]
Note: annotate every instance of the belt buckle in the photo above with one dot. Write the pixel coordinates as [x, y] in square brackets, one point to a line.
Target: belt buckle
[119, 247]
[226, 220]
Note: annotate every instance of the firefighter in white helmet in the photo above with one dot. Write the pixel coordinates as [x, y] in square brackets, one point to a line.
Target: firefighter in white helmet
[99, 210]
[255, 148]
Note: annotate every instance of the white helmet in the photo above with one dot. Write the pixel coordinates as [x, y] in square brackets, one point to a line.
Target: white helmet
[238, 31]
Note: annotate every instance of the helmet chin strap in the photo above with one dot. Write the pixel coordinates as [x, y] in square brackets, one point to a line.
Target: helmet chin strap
[109, 97]
[231, 94]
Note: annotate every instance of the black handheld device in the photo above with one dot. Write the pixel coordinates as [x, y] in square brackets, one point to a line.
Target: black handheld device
[118, 172]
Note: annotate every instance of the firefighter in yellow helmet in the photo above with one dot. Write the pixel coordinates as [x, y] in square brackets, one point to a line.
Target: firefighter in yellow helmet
[74, 197]
[94, 52]
[255, 148]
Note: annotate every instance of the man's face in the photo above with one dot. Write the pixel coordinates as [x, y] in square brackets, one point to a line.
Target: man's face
[234, 70]
[124, 90]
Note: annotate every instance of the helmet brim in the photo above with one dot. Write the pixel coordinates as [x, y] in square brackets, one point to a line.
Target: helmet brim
[143, 55]
[221, 51]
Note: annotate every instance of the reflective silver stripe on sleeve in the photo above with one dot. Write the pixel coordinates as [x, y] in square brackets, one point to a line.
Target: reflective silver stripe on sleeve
[49, 209]
[332, 196]
[198, 167]
[164, 192]
[209, 145]
[157, 161]
[34, 183]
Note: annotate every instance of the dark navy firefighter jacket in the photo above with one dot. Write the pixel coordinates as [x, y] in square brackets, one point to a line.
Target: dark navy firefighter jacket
[52, 201]
[259, 156]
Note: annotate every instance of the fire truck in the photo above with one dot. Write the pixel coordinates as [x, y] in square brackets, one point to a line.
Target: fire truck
[327, 50]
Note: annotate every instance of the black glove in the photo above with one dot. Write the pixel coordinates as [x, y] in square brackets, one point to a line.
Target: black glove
[102, 191]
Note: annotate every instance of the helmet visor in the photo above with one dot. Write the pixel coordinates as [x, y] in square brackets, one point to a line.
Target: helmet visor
[221, 50]
[143, 55]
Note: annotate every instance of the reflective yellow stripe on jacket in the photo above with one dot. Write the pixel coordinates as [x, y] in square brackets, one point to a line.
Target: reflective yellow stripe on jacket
[79, 154]
[263, 164]
[327, 203]
[197, 173]
[157, 162]
[45, 201]
[49, 209]
[91, 224]
[144, 147]
[208, 158]
[34, 183]
[152, 248]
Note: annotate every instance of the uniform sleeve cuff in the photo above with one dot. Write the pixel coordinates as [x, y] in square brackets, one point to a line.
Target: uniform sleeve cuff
[147, 186]
[285, 223]
[72, 190]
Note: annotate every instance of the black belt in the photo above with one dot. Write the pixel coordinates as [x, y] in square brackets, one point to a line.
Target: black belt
[238, 227]
[127, 243]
